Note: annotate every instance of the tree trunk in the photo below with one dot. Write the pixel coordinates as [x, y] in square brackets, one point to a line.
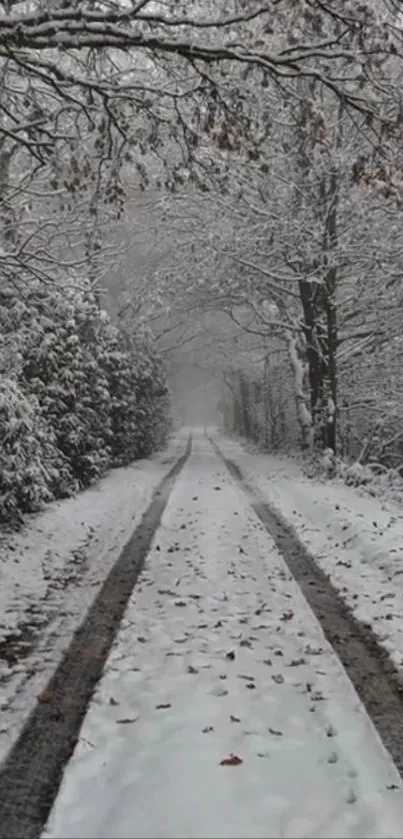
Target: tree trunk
[302, 399]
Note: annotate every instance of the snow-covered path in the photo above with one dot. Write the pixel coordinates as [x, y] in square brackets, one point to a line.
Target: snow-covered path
[219, 656]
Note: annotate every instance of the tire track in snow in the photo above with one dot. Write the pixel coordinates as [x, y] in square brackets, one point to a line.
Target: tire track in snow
[367, 664]
[31, 774]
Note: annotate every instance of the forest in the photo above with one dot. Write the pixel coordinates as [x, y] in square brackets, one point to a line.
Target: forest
[207, 188]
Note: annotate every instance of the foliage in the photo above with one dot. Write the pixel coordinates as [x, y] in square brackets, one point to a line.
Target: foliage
[28, 455]
[76, 399]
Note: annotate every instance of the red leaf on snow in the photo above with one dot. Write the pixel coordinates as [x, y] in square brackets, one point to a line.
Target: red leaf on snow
[232, 760]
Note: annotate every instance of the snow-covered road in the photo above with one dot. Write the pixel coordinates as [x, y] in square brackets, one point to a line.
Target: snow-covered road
[222, 711]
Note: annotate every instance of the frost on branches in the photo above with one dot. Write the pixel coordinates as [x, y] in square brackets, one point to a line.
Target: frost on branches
[75, 397]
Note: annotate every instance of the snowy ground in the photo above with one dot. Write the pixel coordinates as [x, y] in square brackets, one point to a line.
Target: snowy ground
[222, 711]
[357, 540]
[51, 571]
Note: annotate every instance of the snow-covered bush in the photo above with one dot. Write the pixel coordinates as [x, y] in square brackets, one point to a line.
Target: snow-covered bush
[61, 366]
[76, 396]
[119, 370]
[28, 457]
[139, 398]
[152, 399]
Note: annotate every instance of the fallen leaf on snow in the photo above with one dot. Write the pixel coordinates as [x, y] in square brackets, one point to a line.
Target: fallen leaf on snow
[313, 650]
[208, 729]
[276, 732]
[126, 720]
[278, 678]
[233, 718]
[232, 760]
[45, 696]
[113, 701]
[231, 655]
[180, 603]
[163, 706]
[192, 669]
[287, 616]
[317, 696]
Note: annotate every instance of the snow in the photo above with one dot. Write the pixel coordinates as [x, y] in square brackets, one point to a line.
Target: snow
[51, 571]
[219, 655]
[356, 539]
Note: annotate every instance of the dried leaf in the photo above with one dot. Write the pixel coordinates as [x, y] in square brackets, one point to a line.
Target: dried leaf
[287, 616]
[127, 720]
[296, 662]
[232, 760]
[45, 696]
[231, 655]
[163, 705]
[233, 718]
[331, 732]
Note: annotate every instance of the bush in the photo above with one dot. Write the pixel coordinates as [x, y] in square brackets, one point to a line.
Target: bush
[62, 369]
[76, 397]
[28, 458]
